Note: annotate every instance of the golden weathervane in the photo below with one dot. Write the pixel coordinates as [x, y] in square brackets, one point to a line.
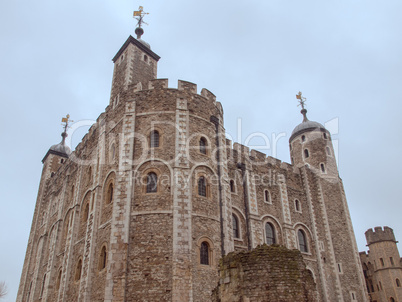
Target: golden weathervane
[139, 15]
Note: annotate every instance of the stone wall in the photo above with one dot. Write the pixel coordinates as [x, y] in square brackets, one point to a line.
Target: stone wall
[267, 273]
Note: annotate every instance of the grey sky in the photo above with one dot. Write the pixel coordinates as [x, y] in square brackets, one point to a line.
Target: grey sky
[345, 56]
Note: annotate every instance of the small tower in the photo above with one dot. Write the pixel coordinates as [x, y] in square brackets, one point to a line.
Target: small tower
[134, 64]
[310, 144]
[57, 154]
[381, 266]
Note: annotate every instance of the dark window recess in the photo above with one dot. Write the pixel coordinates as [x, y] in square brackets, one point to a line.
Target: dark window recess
[235, 226]
[203, 145]
[154, 139]
[306, 154]
[302, 241]
[152, 183]
[202, 187]
[204, 253]
[270, 234]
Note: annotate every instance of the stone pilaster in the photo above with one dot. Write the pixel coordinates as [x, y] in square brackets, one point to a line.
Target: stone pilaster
[118, 252]
[182, 275]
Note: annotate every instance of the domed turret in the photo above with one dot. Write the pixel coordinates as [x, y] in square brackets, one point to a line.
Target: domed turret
[310, 144]
[60, 149]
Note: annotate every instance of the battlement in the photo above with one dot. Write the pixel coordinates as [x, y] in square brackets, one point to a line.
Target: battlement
[379, 234]
[255, 156]
[181, 86]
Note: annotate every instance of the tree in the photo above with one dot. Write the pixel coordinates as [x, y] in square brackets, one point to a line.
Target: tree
[3, 289]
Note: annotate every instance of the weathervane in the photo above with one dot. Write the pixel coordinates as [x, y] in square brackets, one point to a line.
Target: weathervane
[302, 99]
[139, 15]
[65, 121]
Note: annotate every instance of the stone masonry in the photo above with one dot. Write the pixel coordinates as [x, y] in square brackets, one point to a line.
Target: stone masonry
[154, 195]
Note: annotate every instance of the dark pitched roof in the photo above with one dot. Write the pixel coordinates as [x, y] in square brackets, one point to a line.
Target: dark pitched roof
[139, 45]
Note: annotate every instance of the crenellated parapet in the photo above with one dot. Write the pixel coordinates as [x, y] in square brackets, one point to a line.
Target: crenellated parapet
[379, 234]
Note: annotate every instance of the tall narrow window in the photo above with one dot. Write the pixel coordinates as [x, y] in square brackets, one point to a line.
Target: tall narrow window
[235, 226]
[325, 135]
[43, 285]
[297, 205]
[391, 299]
[112, 152]
[204, 253]
[202, 187]
[152, 183]
[328, 150]
[109, 194]
[203, 145]
[86, 212]
[322, 168]
[382, 261]
[58, 282]
[270, 234]
[303, 138]
[302, 241]
[102, 258]
[232, 186]
[78, 270]
[391, 260]
[154, 139]
[267, 196]
[398, 283]
[306, 154]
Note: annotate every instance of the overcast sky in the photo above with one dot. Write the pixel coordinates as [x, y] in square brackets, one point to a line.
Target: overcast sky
[345, 56]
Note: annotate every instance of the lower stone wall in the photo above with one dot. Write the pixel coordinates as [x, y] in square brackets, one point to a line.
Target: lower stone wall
[267, 273]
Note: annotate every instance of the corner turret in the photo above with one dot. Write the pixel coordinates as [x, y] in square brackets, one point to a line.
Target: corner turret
[310, 144]
[134, 64]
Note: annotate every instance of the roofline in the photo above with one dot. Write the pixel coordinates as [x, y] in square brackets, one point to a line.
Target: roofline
[55, 153]
[307, 130]
[139, 45]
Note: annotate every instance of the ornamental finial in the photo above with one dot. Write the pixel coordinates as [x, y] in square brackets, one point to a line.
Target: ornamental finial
[139, 16]
[302, 101]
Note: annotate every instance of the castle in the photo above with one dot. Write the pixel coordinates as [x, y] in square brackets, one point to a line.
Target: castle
[155, 195]
[382, 266]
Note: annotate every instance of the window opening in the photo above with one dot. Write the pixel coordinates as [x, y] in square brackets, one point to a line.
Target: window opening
[152, 183]
[204, 253]
[269, 234]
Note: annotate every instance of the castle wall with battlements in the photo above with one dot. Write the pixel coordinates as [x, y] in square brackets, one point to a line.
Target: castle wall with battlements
[128, 217]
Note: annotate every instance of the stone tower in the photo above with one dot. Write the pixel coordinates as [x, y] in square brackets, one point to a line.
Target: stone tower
[154, 195]
[382, 266]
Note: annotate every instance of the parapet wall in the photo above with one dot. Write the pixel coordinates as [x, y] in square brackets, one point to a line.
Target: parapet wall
[267, 273]
[379, 234]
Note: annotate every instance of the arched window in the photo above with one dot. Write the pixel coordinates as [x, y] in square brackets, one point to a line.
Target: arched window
[109, 194]
[78, 270]
[203, 145]
[306, 154]
[43, 285]
[236, 233]
[391, 299]
[297, 205]
[202, 186]
[267, 196]
[303, 138]
[154, 139]
[204, 253]
[325, 135]
[322, 168]
[86, 212]
[398, 283]
[102, 258]
[269, 234]
[58, 282]
[328, 150]
[302, 241]
[112, 152]
[232, 186]
[152, 183]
